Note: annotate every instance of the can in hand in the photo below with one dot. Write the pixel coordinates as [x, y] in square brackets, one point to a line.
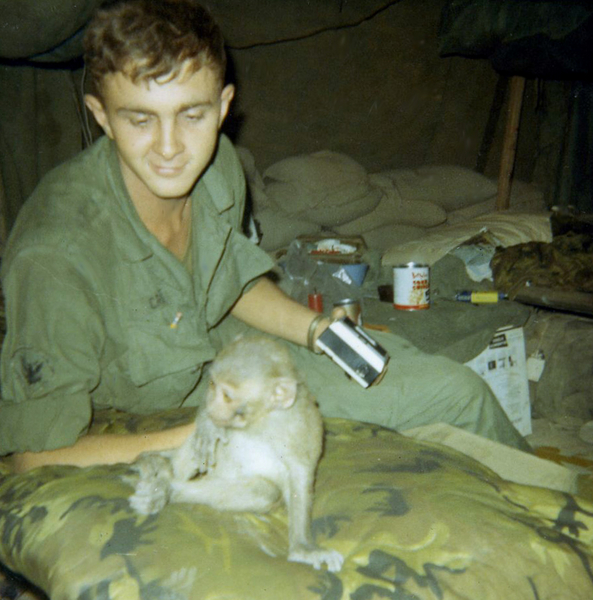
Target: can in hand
[352, 308]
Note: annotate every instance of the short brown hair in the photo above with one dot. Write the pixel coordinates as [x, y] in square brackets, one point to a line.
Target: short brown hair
[147, 39]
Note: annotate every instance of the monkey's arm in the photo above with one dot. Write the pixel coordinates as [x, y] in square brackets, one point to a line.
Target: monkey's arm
[267, 308]
[198, 452]
[159, 471]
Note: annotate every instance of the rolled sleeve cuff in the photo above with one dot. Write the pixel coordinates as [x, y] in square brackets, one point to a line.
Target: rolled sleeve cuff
[44, 424]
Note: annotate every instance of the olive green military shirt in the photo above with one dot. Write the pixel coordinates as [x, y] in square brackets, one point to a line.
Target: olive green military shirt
[99, 313]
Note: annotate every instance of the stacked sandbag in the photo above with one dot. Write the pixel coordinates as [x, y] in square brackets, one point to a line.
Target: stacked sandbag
[332, 193]
[395, 218]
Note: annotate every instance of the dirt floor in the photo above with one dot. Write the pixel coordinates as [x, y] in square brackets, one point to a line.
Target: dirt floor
[568, 441]
[565, 442]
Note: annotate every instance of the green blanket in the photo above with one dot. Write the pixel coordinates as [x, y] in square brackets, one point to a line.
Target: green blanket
[413, 521]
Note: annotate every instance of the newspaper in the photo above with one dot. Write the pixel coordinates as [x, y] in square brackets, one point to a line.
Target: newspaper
[504, 367]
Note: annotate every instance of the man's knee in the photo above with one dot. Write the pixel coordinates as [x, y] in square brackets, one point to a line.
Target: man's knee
[471, 386]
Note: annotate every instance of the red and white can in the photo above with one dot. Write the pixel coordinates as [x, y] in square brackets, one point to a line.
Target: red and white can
[411, 286]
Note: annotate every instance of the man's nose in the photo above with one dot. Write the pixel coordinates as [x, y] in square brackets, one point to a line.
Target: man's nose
[168, 143]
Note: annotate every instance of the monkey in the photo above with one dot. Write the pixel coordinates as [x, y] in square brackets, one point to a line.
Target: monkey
[257, 441]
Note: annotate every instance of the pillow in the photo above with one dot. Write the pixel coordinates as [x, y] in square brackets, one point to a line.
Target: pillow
[507, 228]
[413, 520]
[326, 188]
[449, 186]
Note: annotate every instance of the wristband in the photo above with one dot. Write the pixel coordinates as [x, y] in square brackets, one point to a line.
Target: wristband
[311, 333]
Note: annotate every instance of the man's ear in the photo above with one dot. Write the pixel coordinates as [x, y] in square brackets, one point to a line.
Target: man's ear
[226, 97]
[95, 105]
[284, 392]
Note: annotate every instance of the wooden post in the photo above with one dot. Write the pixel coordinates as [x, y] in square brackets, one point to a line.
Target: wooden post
[509, 144]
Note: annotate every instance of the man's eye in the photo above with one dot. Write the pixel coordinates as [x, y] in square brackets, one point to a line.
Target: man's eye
[139, 121]
[194, 116]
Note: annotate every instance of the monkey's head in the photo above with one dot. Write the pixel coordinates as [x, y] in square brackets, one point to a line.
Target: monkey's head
[251, 377]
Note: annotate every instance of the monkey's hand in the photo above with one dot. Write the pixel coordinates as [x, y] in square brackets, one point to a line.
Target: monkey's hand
[153, 487]
[318, 557]
[198, 453]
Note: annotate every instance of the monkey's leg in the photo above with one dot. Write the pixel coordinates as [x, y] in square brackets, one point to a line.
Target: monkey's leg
[299, 503]
[253, 495]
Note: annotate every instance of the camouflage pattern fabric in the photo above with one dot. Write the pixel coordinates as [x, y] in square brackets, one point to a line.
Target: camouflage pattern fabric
[566, 263]
[415, 521]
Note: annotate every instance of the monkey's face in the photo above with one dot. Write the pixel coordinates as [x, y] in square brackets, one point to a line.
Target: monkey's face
[235, 406]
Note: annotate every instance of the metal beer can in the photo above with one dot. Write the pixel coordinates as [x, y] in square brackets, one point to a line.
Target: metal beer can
[411, 286]
[352, 308]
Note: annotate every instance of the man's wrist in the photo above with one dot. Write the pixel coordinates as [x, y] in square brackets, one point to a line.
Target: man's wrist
[317, 326]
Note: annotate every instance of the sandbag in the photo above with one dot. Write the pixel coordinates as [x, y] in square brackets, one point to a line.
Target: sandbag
[449, 186]
[325, 187]
[394, 209]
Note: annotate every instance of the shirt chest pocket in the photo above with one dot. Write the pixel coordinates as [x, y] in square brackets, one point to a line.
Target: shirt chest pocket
[164, 338]
[173, 348]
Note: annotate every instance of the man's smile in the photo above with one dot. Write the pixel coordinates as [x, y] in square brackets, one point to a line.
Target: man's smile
[167, 170]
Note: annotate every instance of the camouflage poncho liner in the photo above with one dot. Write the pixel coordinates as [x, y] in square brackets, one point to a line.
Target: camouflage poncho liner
[414, 521]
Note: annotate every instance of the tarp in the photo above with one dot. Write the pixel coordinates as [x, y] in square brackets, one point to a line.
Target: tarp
[533, 38]
[44, 30]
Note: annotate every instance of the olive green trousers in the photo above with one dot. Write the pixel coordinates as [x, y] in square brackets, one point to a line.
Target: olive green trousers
[418, 389]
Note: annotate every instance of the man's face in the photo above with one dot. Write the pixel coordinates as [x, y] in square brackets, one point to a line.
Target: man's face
[165, 130]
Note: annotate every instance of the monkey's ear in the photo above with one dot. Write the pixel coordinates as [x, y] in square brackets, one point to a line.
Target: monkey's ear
[284, 392]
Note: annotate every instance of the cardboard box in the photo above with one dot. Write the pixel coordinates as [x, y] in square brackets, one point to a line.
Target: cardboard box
[504, 367]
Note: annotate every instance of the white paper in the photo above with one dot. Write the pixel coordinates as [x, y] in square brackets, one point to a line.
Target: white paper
[503, 365]
[535, 368]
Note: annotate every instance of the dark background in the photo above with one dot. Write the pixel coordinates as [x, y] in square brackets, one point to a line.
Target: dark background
[393, 84]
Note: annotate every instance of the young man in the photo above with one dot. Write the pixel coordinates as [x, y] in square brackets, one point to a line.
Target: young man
[127, 270]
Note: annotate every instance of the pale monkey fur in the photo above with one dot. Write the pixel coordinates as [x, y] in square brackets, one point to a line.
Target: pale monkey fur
[258, 439]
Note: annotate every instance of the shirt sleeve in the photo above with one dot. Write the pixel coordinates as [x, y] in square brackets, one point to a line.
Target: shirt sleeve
[50, 356]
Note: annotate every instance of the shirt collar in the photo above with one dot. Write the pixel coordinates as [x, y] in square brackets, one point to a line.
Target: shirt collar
[219, 196]
[137, 247]
[220, 192]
